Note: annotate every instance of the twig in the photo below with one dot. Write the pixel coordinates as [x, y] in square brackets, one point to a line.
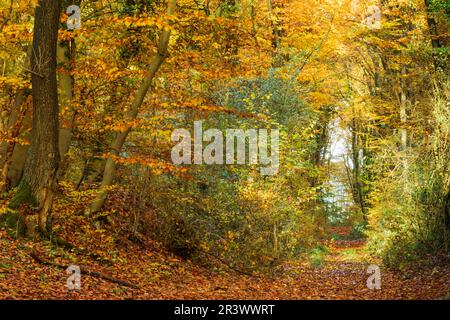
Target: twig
[35, 73]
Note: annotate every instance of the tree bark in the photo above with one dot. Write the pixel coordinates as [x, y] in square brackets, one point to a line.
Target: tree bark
[435, 43]
[15, 121]
[447, 221]
[38, 183]
[19, 121]
[119, 140]
[20, 152]
[65, 54]
[403, 111]
[276, 57]
[357, 190]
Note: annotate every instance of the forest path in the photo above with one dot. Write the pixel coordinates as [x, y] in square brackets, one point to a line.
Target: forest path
[340, 273]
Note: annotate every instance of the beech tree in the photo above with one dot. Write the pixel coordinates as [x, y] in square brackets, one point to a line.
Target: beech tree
[38, 183]
[119, 140]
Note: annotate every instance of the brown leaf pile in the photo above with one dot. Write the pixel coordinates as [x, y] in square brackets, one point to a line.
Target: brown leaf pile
[161, 275]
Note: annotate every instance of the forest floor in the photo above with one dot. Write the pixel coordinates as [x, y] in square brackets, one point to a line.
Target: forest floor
[339, 273]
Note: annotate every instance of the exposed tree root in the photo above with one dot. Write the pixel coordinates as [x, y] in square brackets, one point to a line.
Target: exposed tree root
[228, 265]
[15, 223]
[83, 270]
[54, 239]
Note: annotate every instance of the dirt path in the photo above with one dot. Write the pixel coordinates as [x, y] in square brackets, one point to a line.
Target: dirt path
[338, 274]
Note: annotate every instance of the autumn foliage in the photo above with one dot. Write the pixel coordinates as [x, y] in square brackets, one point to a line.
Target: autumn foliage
[362, 110]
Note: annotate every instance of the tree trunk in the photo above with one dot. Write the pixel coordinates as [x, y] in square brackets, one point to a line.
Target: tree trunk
[403, 111]
[119, 140]
[38, 183]
[19, 121]
[14, 125]
[357, 190]
[434, 35]
[20, 152]
[447, 221]
[65, 54]
[276, 35]
[435, 43]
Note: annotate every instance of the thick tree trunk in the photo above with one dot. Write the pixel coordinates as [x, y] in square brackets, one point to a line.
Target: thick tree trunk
[119, 140]
[38, 183]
